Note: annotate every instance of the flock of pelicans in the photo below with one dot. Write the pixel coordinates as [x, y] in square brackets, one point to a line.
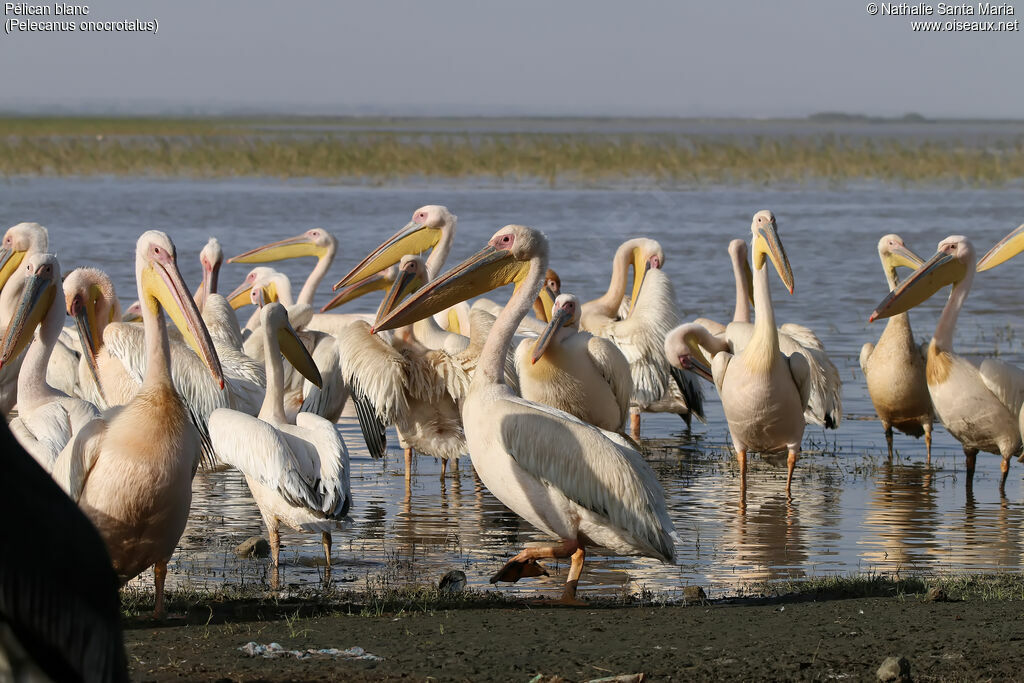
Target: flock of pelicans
[122, 409]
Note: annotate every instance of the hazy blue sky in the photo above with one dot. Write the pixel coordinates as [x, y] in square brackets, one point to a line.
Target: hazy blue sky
[599, 57]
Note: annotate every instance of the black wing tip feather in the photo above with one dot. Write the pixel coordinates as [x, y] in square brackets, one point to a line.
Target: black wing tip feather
[371, 425]
[689, 386]
[208, 460]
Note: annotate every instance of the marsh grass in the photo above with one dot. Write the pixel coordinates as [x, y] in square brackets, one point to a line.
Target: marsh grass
[217, 148]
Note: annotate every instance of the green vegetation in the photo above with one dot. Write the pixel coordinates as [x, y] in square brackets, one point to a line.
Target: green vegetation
[356, 150]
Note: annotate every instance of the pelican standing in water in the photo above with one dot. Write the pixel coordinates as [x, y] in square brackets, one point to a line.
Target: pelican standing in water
[894, 368]
[406, 384]
[47, 418]
[979, 406]
[131, 469]
[640, 333]
[764, 393]
[572, 480]
[298, 473]
[825, 405]
[574, 371]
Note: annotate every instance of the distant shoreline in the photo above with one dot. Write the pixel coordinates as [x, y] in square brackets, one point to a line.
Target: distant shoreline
[554, 151]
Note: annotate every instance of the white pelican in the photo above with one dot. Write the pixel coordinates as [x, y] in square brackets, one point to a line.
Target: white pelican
[408, 385]
[979, 406]
[316, 242]
[574, 371]
[764, 393]
[894, 368]
[298, 473]
[652, 312]
[328, 400]
[211, 257]
[432, 227]
[572, 480]
[825, 405]
[47, 418]
[90, 299]
[131, 469]
[113, 364]
[19, 241]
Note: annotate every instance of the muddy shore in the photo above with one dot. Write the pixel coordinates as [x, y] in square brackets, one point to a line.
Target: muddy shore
[975, 634]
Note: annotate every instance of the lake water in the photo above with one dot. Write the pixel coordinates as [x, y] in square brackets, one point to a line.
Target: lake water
[852, 511]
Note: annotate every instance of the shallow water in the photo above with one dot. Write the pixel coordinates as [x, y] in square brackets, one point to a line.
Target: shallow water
[852, 511]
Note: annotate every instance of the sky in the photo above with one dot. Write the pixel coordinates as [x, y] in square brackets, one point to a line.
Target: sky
[557, 57]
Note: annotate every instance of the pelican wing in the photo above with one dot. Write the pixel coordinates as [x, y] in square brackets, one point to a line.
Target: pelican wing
[191, 377]
[826, 403]
[329, 400]
[43, 433]
[865, 357]
[690, 389]
[316, 432]
[585, 465]
[374, 369]
[1005, 381]
[804, 336]
[370, 424]
[801, 371]
[719, 366]
[434, 374]
[614, 368]
[258, 450]
[75, 462]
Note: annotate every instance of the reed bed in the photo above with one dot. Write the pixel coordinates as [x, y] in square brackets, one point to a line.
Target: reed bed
[201, 148]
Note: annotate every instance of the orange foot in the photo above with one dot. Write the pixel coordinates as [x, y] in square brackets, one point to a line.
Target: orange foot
[519, 569]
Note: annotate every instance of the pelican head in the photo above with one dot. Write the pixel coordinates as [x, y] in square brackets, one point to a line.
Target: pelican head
[546, 299]
[953, 262]
[428, 225]
[210, 258]
[274, 318]
[412, 274]
[19, 240]
[133, 314]
[89, 298]
[646, 254]
[682, 349]
[505, 259]
[1004, 250]
[316, 242]
[552, 282]
[240, 296]
[565, 313]
[767, 245]
[42, 278]
[161, 286]
[894, 253]
[381, 281]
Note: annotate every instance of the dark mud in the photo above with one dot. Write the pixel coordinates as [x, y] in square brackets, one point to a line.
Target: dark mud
[795, 637]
